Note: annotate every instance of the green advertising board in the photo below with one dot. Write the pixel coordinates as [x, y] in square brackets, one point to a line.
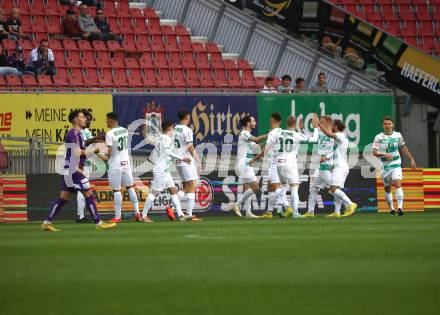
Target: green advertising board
[361, 113]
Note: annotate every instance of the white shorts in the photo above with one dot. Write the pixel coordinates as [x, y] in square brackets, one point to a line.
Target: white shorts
[272, 175]
[391, 175]
[120, 177]
[288, 174]
[339, 175]
[321, 179]
[162, 181]
[187, 172]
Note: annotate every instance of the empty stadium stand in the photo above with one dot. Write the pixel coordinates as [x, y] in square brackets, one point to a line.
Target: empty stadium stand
[415, 21]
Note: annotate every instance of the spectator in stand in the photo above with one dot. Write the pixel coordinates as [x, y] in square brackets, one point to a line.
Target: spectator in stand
[5, 67]
[286, 84]
[88, 26]
[268, 86]
[90, 3]
[13, 25]
[104, 27]
[41, 60]
[71, 27]
[300, 86]
[16, 59]
[4, 34]
[321, 85]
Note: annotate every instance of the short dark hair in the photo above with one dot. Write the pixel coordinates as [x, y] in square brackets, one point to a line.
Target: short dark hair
[73, 114]
[299, 80]
[388, 118]
[167, 124]
[276, 116]
[245, 120]
[70, 12]
[339, 124]
[286, 77]
[181, 114]
[327, 118]
[113, 115]
[269, 79]
[320, 74]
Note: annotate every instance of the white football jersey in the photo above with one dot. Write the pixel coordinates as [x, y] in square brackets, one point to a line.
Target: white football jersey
[389, 144]
[245, 148]
[182, 137]
[117, 139]
[161, 155]
[272, 140]
[340, 156]
[288, 144]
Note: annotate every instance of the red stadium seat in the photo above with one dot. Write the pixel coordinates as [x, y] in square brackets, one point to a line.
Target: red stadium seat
[139, 26]
[212, 48]
[192, 78]
[113, 45]
[230, 64]
[44, 80]
[150, 13]
[173, 60]
[99, 45]
[90, 78]
[198, 47]
[160, 60]
[123, 9]
[125, 26]
[88, 59]
[54, 44]
[216, 61]
[105, 78]
[220, 79]
[131, 63]
[181, 30]
[178, 78]
[84, 45]
[69, 44]
[164, 79]
[29, 80]
[76, 80]
[149, 79]
[202, 60]
[157, 43]
[170, 43]
[134, 79]
[120, 78]
[129, 44]
[244, 65]
[73, 60]
[117, 63]
[206, 80]
[8, 44]
[188, 60]
[146, 61]
[136, 13]
[143, 44]
[103, 60]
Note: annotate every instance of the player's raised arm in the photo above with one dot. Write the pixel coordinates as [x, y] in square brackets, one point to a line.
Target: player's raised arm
[327, 131]
[315, 135]
[99, 138]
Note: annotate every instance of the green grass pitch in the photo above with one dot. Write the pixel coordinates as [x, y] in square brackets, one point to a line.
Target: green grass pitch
[365, 264]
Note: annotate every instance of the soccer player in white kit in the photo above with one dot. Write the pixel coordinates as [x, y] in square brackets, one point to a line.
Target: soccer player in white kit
[162, 180]
[340, 169]
[322, 177]
[274, 184]
[183, 146]
[287, 146]
[247, 147]
[386, 147]
[119, 168]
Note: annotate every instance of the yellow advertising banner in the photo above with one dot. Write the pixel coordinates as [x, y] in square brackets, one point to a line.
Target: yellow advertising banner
[46, 115]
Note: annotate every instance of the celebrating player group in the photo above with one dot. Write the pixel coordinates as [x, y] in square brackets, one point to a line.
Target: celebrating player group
[175, 145]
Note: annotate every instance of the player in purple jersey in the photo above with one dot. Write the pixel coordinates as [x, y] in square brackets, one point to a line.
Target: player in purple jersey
[74, 179]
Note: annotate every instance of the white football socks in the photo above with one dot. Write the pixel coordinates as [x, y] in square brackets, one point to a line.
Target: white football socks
[344, 198]
[176, 202]
[190, 203]
[399, 197]
[312, 199]
[118, 204]
[134, 199]
[242, 199]
[389, 199]
[271, 201]
[294, 197]
[148, 205]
